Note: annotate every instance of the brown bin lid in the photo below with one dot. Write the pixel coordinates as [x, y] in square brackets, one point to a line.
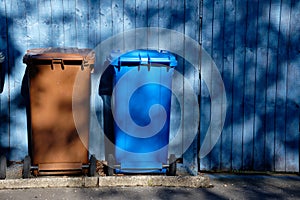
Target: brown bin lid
[87, 55]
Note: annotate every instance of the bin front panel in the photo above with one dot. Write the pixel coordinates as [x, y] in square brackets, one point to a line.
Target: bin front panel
[138, 89]
[59, 105]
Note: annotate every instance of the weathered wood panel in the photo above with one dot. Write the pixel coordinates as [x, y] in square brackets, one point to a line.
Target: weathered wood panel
[82, 23]
[17, 29]
[260, 88]
[57, 24]
[207, 24]
[293, 92]
[217, 56]
[96, 139]
[117, 20]
[191, 76]
[280, 120]
[5, 40]
[254, 44]
[141, 22]
[271, 84]
[239, 84]
[44, 21]
[69, 23]
[177, 23]
[152, 18]
[228, 46]
[261, 118]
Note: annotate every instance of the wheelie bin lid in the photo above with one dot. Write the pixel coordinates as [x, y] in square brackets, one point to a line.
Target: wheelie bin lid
[70, 54]
[142, 57]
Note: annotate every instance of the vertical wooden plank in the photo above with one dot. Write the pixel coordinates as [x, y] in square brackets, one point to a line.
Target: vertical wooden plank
[228, 48]
[33, 40]
[106, 19]
[191, 74]
[164, 11]
[106, 31]
[204, 123]
[217, 55]
[293, 92]
[45, 21]
[207, 26]
[17, 30]
[164, 21]
[249, 92]
[280, 121]
[140, 22]
[57, 31]
[260, 86]
[96, 140]
[69, 23]
[271, 84]
[152, 21]
[32, 19]
[129, 22]
[82, 25]
[4, 90]
[94, 23]
[238, 81]
[117, 20]
[176, 135]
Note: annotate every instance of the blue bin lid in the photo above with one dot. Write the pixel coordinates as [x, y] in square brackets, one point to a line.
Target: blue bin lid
[142, 57]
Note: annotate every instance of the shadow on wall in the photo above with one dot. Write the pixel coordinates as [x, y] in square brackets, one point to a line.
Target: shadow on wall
[16, 36]
[258, 67]
[239, 46]
[9, 52]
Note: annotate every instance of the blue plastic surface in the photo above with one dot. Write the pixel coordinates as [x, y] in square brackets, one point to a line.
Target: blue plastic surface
[142, 101]
[141, 57]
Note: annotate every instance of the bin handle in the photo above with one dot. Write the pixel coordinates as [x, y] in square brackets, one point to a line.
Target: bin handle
[57, 61]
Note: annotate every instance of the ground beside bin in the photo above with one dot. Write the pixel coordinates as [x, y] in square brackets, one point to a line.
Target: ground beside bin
[224, 186]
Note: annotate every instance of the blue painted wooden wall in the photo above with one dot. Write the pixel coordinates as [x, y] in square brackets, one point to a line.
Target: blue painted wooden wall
[254, 43]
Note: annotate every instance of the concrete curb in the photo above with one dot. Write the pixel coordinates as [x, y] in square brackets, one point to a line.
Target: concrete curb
[167, 181]
[107, 181]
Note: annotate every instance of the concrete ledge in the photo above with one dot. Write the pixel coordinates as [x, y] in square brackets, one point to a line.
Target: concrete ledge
[166, 181]
[108, 181]
[41, 182]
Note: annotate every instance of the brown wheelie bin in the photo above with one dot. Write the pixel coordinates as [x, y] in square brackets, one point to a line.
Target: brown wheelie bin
[59, 108]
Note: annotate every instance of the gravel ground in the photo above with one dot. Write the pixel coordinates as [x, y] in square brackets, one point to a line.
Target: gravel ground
[14, 170]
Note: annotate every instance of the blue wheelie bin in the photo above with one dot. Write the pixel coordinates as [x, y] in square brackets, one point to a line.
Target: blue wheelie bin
[141, 102]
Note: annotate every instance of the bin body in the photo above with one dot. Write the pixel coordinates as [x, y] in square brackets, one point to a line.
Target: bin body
[141, 102]
[59, 90]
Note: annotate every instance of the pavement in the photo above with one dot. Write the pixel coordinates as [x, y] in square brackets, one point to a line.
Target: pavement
[222, 186]
[182, 186]
[107, 181]
[183, 179]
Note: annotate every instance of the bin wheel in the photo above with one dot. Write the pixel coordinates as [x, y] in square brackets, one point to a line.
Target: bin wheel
[172, 165]
[110, 165]
[93, 165]
[26, 167]
[3, 167]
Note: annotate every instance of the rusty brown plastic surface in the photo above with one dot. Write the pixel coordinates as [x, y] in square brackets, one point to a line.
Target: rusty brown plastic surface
[59, 53]
[60, 166]
[60, 106]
